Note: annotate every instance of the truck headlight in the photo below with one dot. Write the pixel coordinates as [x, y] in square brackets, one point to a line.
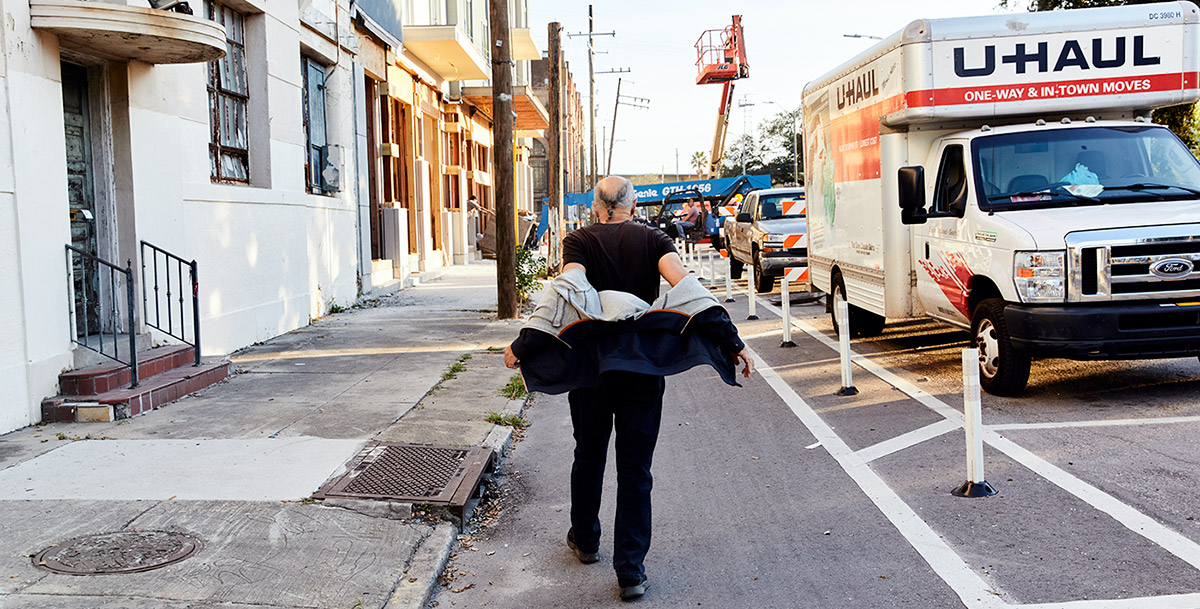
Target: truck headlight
[776, 237]
[1040, 276]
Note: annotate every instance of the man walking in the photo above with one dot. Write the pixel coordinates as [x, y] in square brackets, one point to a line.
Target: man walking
[616, 254]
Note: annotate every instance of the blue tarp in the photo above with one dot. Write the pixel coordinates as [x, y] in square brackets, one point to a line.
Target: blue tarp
[655, 192]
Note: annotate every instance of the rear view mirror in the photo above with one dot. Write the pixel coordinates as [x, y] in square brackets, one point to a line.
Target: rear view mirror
[744, 217]
[911, 188]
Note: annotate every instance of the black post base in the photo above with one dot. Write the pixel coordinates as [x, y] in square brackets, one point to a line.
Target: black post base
[787, 344]
[974, 489]
[730, 300]
[851, 390]
[751, 317]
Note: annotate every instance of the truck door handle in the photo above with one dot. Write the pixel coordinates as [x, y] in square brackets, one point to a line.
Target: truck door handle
[927, 250]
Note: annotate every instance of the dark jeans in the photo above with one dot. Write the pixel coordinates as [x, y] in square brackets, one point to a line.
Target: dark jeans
[633, 402]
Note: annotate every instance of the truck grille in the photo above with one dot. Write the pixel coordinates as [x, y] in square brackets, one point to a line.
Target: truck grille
[1135, 264]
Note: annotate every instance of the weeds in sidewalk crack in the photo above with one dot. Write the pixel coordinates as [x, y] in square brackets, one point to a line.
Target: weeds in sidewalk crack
[507, 420]
[515, 389]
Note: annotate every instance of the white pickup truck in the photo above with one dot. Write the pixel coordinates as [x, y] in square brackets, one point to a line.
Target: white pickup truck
[1001, 174]
[759, 235]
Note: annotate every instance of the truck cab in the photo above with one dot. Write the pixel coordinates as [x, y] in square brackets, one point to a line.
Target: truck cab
[1077, 240]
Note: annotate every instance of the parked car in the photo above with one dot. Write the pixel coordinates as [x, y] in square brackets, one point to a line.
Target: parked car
[757, 235]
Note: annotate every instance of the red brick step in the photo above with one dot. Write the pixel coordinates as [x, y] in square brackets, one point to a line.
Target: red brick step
[150, 394]
[108, 376]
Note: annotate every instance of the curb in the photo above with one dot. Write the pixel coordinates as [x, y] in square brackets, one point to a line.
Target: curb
[417, 582]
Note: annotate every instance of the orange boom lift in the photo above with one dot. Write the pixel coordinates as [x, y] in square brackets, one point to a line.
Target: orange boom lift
[721, 57]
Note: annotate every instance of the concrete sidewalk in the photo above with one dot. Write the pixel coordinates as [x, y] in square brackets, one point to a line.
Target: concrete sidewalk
[234, 465]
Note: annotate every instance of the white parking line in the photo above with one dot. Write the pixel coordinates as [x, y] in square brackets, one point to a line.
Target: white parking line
[951, 571]
[1174, 601]
[907, 440]
[1095, 423]
[970, 588]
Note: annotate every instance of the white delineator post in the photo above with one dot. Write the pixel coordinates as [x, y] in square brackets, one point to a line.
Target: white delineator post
[750, 293]
[728, 276]
[712, 262]
[789, 275]
[976, 485]
[842, 310]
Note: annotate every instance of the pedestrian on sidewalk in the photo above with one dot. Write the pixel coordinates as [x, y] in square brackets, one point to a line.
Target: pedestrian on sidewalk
[614, 361]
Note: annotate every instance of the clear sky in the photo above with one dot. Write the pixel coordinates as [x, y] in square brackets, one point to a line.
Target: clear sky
[788, 43]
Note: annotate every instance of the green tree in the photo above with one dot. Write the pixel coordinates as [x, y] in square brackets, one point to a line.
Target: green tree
[783, 147]
[768, 150]
[700, 162]
[1182, 119]
[744, 155]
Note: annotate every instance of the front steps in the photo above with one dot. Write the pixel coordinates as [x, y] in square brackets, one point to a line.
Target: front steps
[102, 392]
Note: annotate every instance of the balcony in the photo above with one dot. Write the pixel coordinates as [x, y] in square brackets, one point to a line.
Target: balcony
[531, 114]
[524, 45]
[118, 32]
[447, 51]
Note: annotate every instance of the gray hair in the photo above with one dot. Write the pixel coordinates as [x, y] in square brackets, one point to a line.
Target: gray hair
[613, 192]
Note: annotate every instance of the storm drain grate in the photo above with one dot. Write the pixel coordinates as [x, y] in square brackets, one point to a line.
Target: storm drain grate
[415, 473]
[120, 552]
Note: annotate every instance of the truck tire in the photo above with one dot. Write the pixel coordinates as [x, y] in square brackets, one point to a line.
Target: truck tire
[1002, 370]
[762, 283]
[735, 267]
[863, 323]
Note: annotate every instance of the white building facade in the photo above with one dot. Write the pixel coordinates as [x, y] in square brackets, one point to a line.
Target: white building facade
[236, 137]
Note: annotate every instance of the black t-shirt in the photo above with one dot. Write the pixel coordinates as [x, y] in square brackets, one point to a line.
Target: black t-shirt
[622, 256]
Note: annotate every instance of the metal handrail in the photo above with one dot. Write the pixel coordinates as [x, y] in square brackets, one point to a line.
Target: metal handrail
[87, 259]
[168, 259]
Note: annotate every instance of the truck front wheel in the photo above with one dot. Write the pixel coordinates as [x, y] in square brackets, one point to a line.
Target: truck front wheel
[1002, 370]
[763, 284]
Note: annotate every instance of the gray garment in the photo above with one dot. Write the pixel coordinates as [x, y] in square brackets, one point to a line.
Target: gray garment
[570, 298]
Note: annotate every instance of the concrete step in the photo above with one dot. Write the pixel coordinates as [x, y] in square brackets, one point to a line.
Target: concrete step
[111, 375]
[126, 402]
[84, 357]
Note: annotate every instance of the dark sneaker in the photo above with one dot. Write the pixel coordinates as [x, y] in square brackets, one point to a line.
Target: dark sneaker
[636, 591]
[586, 558]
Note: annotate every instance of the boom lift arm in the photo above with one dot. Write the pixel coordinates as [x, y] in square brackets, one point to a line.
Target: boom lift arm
[721, 58]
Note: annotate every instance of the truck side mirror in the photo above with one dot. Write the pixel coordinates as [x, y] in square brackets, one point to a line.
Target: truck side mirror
[911, 187]
[744, 217]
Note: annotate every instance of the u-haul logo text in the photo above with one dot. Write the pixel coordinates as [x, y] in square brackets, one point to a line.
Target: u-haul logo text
[1096, 53]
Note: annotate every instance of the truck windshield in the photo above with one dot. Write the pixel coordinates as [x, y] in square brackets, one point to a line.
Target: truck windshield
[1085, 166]
[772, 206]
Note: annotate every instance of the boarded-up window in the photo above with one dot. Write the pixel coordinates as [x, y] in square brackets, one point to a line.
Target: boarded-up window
[314, 124]
[228, 95]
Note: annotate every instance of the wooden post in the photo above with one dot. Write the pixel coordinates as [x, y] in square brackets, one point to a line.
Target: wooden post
[612, 137]
[502, 161]
[592, 101]
[554, 137]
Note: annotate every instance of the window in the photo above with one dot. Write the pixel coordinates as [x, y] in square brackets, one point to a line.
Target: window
[228, 95]
[314, 125]
[951, 193]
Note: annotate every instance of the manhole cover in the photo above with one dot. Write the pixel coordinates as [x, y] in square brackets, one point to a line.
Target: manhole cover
[443, 475]
[121, 552]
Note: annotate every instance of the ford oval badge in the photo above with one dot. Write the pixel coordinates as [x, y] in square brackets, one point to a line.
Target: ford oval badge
[1172, 268]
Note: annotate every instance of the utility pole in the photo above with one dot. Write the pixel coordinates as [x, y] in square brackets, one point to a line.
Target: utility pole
[502, 160]
[617, 104]
[554, 137]
[591, 33]
[746, 132]
[592, 96]
[613, 136]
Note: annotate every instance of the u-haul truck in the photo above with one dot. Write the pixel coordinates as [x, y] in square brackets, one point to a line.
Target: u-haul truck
[1001, 174]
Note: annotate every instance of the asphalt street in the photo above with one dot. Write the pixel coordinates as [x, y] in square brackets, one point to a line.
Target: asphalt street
[783, 494]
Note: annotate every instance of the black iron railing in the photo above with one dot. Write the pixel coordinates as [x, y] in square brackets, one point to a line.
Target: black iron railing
[162, 313]
[95, 306]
